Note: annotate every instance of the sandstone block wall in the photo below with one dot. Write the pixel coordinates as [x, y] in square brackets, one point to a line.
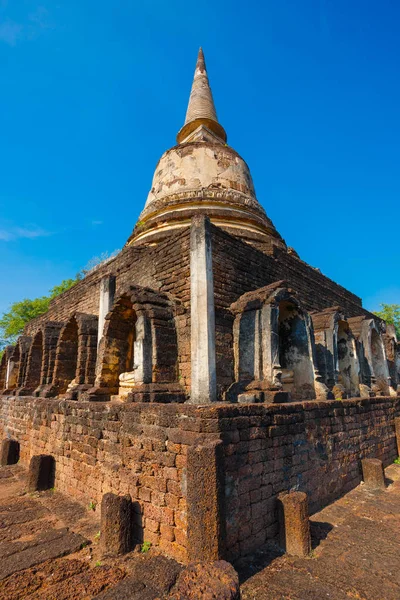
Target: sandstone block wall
[240, 268]
[237, 268]
[164, 268]
[315, 447]
[142, 449]
[136, 449]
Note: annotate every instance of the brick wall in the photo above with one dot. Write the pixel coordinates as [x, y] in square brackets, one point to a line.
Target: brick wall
[138, 449]
[315, 447]
[240, 268]
[142, 449]
[164, 267]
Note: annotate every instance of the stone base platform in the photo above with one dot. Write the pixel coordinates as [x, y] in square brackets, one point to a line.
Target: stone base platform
[204, 479]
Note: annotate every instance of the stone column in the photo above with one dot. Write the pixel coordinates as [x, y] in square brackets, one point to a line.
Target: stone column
[9, 454]
[294, 524]
[397, 431]
[9, 373]
[116, 527]
[142, 350]
[373, 474]
[204, 381]
[270, 343]
[107, 293]
[41, 472]
[205, 502]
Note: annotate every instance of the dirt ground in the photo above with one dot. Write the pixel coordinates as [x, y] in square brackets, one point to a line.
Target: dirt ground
[49, 550]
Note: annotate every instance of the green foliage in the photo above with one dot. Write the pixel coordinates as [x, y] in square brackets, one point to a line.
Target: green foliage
[13, 321]
[64, 286]
[391, 314]
[92, 505]
[397, 461]
[145, 547]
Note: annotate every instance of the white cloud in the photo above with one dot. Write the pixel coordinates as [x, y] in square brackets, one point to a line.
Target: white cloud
[16, 233]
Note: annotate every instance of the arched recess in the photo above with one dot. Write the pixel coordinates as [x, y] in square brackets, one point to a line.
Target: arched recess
[13, 368]
[115, 353]
[336, 352]
[397, 366]
[392, 348]
[3, 371]
[137, 353]
[75, 351]
[66, 357]
[34, 366]
[274, 347]
[375, 375]
[295, 355]
[23, 344]
[380, 374]
[347, 362]
[8, 370]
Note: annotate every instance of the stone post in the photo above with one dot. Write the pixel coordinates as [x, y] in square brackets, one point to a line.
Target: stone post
[9, 373]
[373, 474]
[116, 524]
[294, 524]
[270, 342]
[107, 293]
[397, 431]
[9, 452]
[202, 314]
[142, 350]
[41, 473]
[205, 502]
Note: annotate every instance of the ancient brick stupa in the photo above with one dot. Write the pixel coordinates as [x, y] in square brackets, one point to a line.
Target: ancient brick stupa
[204, 306]
[205, 302]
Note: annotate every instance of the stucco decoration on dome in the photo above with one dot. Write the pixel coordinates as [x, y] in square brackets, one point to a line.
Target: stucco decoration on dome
[203, 174]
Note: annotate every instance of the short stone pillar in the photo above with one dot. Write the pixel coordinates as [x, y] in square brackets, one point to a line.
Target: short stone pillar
[41, 473]
[116, 524]
[142, 350]
[397, 430]
[10, 373]
[294, 524]
[107, 293]
[202, 314]
[373, 474]
[9, 452]
[205, 502]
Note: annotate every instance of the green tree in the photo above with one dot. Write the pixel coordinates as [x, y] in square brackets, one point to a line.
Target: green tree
[64, 286]
[391, 314]
[13, 321]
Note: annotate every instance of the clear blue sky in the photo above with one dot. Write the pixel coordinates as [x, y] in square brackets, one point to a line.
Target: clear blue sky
[93, 92]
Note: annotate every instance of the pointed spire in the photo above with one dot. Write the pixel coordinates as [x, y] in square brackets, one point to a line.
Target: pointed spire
[201, 108]
[201, 103]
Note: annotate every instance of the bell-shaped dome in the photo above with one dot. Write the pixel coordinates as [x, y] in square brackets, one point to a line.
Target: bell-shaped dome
[202, 174]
